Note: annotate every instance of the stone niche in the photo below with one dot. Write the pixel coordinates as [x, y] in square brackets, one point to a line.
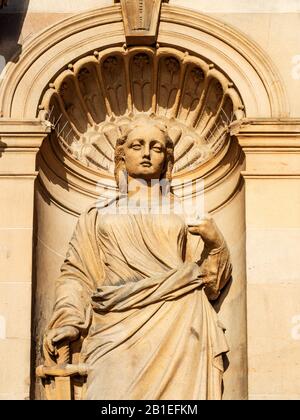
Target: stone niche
[89, 104]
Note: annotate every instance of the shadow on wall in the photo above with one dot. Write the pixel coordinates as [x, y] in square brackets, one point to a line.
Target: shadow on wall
[2, 147]
[12, 18]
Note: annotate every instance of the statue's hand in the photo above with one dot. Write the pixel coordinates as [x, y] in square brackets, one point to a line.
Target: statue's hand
[208, 231]
[56, 335]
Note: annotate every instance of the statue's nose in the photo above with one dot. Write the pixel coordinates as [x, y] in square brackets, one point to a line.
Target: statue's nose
[146, 151]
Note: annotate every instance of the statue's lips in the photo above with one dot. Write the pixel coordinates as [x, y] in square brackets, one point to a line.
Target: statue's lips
[146, 164]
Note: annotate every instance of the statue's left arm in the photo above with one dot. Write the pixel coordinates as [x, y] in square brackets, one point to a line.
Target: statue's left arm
[215, 261]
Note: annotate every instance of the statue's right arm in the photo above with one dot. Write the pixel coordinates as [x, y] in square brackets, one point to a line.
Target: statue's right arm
[80, 275]
[56, 335]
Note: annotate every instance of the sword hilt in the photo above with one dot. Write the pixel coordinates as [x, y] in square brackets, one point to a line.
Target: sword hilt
[62, 368]
[63, 371]
[63, 353]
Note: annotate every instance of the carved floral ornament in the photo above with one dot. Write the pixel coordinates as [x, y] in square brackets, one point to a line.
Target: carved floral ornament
[91, 103]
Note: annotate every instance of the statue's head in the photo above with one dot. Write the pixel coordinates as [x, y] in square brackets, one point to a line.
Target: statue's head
[145, 151]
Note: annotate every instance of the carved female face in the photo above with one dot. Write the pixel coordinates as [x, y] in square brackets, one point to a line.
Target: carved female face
[145, 152]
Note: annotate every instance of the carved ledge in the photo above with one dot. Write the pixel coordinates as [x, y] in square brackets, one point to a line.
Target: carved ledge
[266, 134]
[20, 134]
[271, 148]
[20, 142]
[289, 127]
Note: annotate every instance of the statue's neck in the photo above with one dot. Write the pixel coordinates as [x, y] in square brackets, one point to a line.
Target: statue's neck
[146, 191]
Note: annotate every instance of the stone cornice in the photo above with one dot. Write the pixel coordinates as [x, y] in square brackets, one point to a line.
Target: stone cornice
[261, 175]
[18, 135]
[22, 126]
[271, 125]
[270, 134]
[271, 147]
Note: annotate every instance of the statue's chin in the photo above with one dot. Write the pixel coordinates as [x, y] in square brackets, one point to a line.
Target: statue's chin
[145, 174]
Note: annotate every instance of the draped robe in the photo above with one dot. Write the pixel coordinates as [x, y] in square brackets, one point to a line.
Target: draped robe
[152, 332]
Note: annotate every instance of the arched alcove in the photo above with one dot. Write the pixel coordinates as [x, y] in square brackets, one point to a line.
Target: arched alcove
[90, 104]
[69, 67]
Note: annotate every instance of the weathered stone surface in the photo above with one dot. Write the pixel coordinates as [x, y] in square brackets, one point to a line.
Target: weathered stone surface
[251, 184]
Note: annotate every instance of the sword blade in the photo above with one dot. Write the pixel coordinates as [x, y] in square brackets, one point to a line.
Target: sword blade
[63, 388]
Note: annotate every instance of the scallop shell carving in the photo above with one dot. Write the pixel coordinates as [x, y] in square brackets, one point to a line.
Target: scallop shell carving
[91, 102]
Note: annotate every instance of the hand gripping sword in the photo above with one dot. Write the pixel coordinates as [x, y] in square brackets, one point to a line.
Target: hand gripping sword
[62, 372]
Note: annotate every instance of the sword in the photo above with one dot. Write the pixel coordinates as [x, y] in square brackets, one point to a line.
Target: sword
[62, 372]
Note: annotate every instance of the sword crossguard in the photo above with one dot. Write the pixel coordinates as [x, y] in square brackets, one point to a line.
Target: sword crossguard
[62, 370]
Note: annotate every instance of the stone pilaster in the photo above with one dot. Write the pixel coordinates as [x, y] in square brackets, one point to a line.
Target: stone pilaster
[19, 144]
[272, 185]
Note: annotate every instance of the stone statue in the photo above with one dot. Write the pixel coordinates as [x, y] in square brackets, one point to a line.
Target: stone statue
[135, 293]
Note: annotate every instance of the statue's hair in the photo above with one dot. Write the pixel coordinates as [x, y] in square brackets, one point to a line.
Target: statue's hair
[119, 149]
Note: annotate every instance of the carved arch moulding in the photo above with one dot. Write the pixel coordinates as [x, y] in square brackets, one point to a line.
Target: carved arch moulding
[44, 56]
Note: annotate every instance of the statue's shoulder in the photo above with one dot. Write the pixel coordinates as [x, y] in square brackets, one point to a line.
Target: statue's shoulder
[98, 208]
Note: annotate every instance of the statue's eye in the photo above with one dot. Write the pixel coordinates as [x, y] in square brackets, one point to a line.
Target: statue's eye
[157, 149]
[136, 146]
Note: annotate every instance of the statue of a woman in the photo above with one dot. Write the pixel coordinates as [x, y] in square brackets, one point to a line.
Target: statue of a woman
[128, 286]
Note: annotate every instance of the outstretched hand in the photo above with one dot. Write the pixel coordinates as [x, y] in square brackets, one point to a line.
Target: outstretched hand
[54, 336]
[208, 230]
